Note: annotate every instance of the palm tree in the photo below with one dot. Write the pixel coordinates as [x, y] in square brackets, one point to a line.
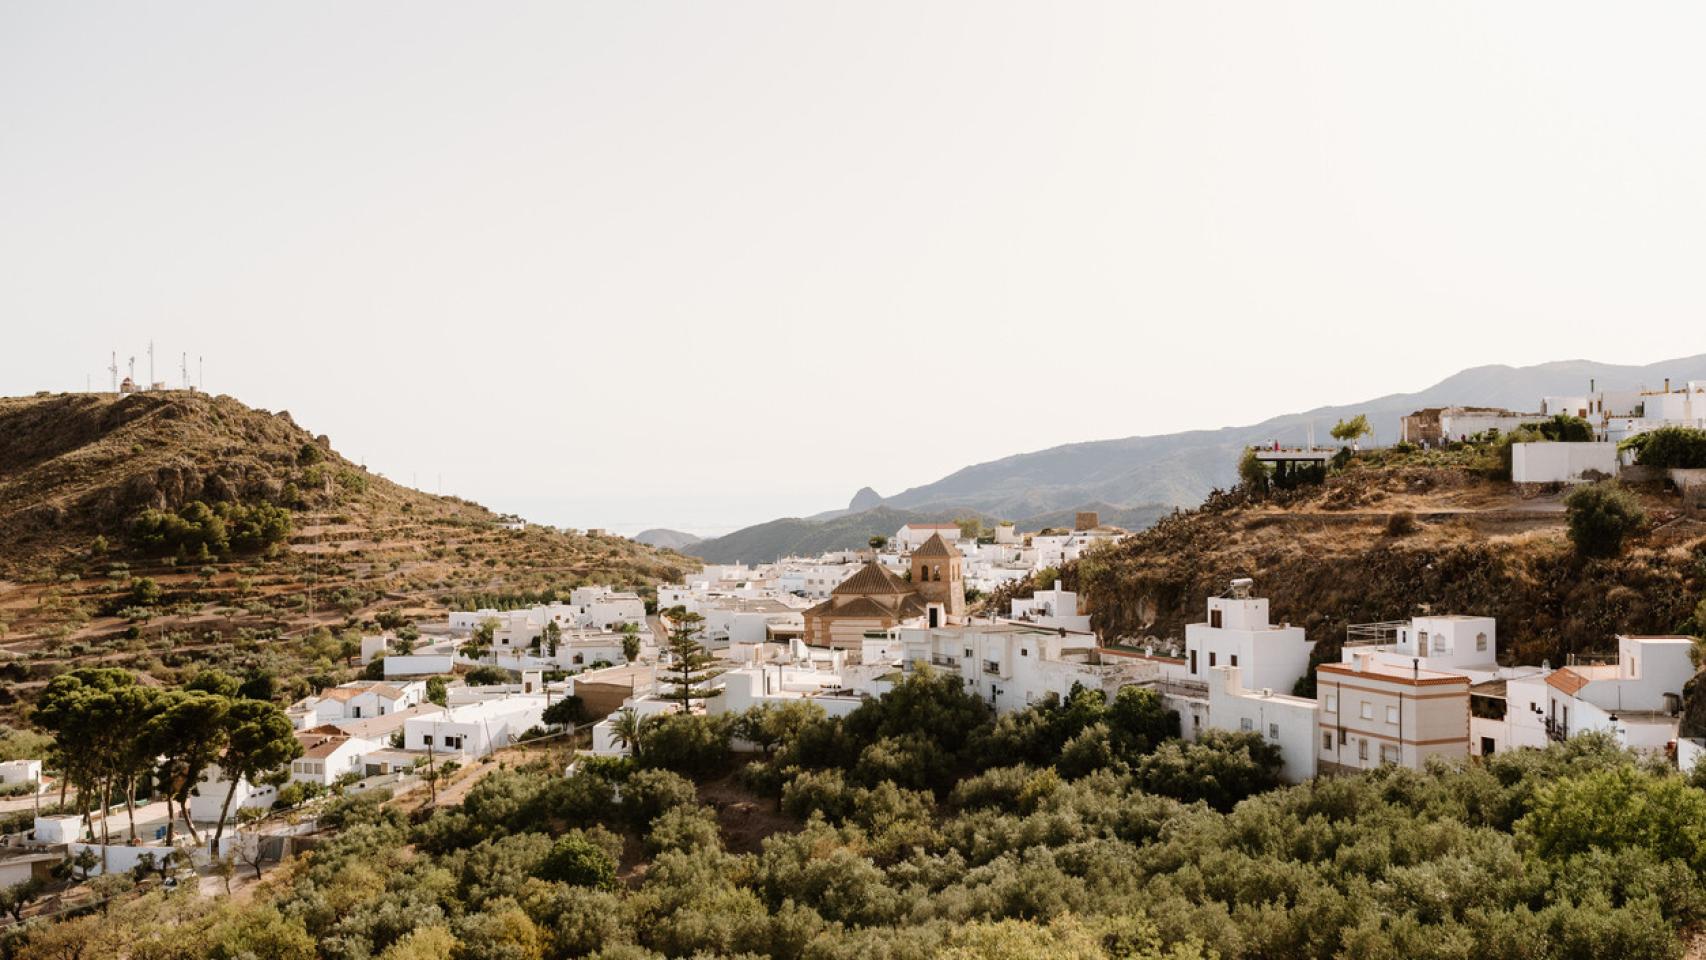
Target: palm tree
[627, 729]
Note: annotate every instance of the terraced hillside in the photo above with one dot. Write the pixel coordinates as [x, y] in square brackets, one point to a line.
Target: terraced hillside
[312, 544]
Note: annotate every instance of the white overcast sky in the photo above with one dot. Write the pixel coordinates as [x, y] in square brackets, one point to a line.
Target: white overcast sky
[643, 263]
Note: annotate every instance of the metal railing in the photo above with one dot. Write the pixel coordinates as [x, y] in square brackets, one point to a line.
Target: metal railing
[1384, 633]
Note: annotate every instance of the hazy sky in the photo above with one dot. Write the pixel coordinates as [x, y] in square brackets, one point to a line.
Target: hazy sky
[701, 264]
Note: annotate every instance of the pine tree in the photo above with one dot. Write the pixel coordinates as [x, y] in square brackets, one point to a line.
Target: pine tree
[690, 666]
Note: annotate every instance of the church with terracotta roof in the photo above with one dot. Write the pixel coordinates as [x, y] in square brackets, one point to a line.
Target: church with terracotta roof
[875, 599]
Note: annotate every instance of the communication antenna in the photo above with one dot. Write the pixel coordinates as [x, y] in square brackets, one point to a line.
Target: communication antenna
[112, 368]
[132, 369]
[184, 369]
[200, 380]
[150, 364]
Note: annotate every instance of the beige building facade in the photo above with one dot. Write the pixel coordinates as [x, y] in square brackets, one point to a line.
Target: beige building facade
[1374, 713]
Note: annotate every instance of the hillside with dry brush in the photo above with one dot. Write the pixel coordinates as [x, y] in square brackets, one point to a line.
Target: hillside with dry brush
[310, 546]
[1391, 536]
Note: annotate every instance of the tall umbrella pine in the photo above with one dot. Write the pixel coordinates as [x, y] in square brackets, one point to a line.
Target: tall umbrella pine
[134, 709]
[188, 734]
[259, 738]
[82, 711]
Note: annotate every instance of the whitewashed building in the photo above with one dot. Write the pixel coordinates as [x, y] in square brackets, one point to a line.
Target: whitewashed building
[1055, 608]
[1637, 698]
[1286, 721]
[1012, 666]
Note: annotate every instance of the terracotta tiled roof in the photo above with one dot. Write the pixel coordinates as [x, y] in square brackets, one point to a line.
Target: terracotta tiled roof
[862, 608]
[318, 746]
[873, 580]
[935, 547]
[1567, 680]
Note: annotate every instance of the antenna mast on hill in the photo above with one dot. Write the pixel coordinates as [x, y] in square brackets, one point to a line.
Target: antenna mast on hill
[113, 369]
[150, 364]
[132, 369]
[184, 369]
[201, 381]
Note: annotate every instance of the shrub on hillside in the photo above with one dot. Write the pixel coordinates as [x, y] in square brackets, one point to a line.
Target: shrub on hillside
[1601, 516]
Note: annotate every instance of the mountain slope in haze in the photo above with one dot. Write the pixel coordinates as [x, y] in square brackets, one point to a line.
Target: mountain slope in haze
[1181, 468]
[78, 585]
[666, 539]
[810, 536]
[1148, 475]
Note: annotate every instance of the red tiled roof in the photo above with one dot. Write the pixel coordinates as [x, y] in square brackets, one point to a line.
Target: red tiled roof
[873, 580]
[1566, 680]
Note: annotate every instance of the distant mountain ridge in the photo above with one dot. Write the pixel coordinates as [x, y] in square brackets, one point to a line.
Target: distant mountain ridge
[666, 539]
[1152, 474]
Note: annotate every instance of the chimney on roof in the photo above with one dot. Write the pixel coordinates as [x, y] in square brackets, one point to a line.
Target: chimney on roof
[1416, 667]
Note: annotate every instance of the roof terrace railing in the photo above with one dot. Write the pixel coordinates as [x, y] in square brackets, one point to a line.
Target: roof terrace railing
[1384, 633]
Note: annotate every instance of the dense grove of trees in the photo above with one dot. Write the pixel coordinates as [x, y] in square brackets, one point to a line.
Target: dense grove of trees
[115, 739]
[927, 828]
[200, 531]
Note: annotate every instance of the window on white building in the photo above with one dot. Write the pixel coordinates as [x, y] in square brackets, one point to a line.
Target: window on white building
[1233, 659]
[1327, 741]
[1245, 724]
[1367, 710]
[1480, 643]
[1332, 703]
[1421, 641]
[1392, 715]
[1388, 753]
[1362, 749]
[1273, 731]
[1439, 643]
[453, 743]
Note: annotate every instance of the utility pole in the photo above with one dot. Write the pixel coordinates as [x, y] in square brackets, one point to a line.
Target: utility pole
[112, 368]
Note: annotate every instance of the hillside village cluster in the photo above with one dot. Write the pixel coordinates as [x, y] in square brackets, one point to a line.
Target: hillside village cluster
[838, 629]
[1614, 415]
